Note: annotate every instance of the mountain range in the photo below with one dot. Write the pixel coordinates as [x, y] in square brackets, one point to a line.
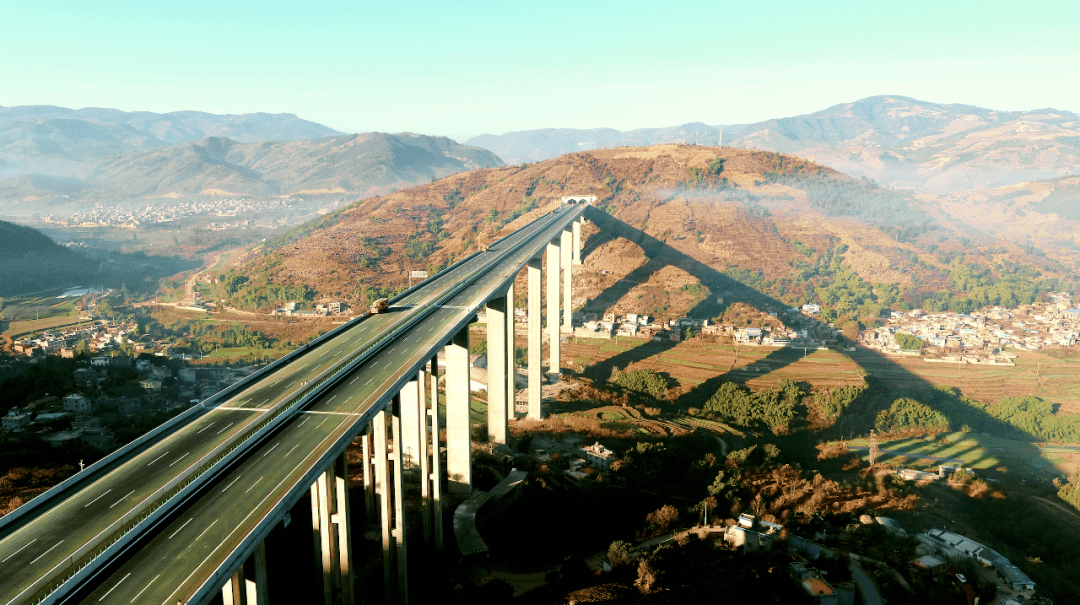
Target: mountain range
[896, 140]
[52, 153]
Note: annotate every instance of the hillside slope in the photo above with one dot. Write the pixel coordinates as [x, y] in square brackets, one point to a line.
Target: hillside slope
[776, 224]
[895, 140]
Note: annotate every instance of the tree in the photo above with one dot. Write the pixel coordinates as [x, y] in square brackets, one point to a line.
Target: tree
[908, 342]
[873, 447]
[619, 552]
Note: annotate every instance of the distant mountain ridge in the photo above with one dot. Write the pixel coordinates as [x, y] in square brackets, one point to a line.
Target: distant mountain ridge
[75, 135]
[897, 140]
[360, 164]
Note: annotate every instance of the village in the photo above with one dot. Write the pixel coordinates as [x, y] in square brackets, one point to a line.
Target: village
[981, 336]
[114, 399]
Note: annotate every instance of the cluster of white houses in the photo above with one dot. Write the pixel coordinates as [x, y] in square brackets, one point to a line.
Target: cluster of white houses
[981, 336]
[100, 335]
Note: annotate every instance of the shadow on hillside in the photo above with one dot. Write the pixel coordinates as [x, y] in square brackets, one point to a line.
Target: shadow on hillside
[856, 419]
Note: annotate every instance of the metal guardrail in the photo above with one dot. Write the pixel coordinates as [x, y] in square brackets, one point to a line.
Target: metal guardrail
[114, 539]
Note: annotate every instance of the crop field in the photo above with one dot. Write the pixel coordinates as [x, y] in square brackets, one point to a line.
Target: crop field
[692, 363]
[16, 329]
[974, 450]
[1055, 379]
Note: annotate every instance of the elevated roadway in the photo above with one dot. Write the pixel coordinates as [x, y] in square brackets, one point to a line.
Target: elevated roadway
[248, 494]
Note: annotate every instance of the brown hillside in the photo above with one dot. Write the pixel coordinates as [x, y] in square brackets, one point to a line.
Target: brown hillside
[753, 223]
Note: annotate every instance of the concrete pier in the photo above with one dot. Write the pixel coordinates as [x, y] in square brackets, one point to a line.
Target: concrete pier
[577, 241]
[458, 437]
[564, 246]
[411, 395]
[553, 261]
[511, 372]
[534, 339]
[332, 532]
[434, 478]
[496, 369]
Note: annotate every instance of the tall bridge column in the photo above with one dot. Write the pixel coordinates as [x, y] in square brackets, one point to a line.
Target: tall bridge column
[564, 246]
[496, 369]
[242, 589]
[411, 396]
[332, 532]
[388, 484]
[553, 262]
[511, 387]
[458, 425]
[370, 512]
[577, 242]
[535, 411]
[433, 505]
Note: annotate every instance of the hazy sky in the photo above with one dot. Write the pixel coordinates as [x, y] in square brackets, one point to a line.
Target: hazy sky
[465, 68]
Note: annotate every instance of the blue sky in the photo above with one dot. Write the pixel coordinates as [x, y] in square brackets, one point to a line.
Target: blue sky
[462, 69]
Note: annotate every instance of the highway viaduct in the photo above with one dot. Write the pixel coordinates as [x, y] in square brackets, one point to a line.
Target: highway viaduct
[183, 515]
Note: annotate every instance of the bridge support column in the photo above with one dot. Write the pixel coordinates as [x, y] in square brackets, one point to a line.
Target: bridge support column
[535, 411]
[553, 262]
[458, 438]
[434, 478]
[369, 478]
[235, 590]
[411, 396]
[511, 387]
[577, 242]
[496, 370]
[389, 486]
[564, 246]
[332, 532]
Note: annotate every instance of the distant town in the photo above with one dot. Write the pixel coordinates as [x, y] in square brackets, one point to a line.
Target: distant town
[232, 211]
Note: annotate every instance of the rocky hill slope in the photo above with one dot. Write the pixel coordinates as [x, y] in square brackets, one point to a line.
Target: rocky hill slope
[691, 225]
[898, 141]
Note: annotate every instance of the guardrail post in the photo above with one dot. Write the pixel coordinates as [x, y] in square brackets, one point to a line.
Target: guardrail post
[511, 387]
[535, 339]
[567, 325]
[577, 241]
[553, 262]
[496, 369]
[458, 425]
